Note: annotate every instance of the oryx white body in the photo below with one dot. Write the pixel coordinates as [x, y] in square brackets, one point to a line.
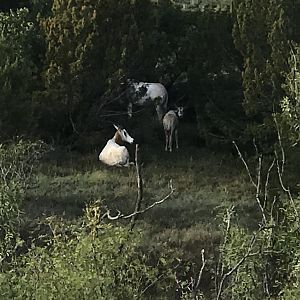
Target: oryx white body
[114, 154]
[170, 124]
[144, 94]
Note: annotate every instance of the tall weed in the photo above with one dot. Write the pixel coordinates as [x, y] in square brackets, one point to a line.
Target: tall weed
[17, 161]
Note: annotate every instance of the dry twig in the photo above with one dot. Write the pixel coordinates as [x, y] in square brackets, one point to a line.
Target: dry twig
[138, 204]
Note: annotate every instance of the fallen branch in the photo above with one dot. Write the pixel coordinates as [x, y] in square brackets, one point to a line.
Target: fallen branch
[123, 216]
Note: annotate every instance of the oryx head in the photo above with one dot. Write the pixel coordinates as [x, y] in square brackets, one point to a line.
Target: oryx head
[124, 134]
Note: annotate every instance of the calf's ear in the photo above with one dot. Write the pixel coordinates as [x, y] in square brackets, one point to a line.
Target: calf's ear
[117, 127]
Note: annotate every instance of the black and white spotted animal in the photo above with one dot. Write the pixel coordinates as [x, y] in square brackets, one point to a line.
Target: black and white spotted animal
[144, 94]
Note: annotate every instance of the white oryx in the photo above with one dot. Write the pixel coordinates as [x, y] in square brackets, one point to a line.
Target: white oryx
[170, 124]
[114, 154]
[144, 94]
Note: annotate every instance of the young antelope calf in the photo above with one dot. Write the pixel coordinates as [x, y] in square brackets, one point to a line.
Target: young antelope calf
[170, 123]
[114, 153]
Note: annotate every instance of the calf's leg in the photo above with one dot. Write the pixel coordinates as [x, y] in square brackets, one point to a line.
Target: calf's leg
[171, 140]
[167, 140]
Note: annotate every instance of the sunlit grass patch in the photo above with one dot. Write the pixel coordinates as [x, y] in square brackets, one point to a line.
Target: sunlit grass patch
[206, 183]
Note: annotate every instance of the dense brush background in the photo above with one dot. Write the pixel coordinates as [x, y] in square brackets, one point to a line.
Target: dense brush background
[234, 66]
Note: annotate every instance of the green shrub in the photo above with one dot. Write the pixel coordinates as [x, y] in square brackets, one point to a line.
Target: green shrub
[85, 261]
[264, 263]
[17, 161]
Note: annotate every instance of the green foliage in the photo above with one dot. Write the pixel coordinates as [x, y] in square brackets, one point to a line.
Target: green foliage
[17, 161]
[290, 104]
[263, 263]
[284, 258]
[11, 198]
[261, 33]
[89, 260]
[83, 50]
[161, 38]
[69, 34]
[214, 79]
[90, 46]
[184, 224]
[59, 70]
[16, 71]
[244, 282]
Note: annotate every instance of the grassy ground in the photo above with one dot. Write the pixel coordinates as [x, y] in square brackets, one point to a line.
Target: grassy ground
[206, 184]
[206, 181]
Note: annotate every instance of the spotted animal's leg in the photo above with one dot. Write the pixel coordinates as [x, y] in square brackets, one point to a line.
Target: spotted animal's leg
[176, 138]
[129, 110]
[159, 109]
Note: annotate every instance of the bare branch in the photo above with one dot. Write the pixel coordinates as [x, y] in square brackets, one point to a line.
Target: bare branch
[201, 271]
[110, 217]
[267, 181]
[285, 189]
[120, 113]
[280, 146]
[256, 184]
[123, 216]
[108, 101]
[139, 181]
[255, 146]
[245, 164]
[73, 124]
[239, 263]
[257, 195]
[220, 266]
[273, 204]
[280, 168]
